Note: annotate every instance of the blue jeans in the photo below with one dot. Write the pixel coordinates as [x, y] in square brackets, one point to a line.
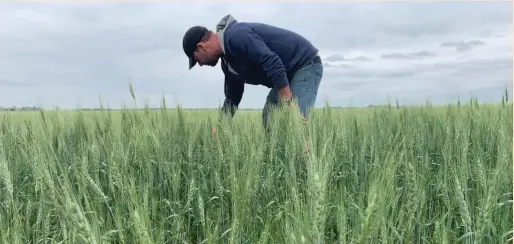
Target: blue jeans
[304, 87]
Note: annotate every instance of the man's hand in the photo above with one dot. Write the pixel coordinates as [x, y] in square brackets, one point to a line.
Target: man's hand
[285, 94]
[304, 120]
[213, 131]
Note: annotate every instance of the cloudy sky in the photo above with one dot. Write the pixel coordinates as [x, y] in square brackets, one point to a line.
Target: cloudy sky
[73, 54]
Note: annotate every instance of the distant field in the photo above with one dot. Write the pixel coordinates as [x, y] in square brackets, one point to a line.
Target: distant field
[372, 175]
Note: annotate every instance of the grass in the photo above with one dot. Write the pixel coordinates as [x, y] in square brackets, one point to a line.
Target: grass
[377, 175]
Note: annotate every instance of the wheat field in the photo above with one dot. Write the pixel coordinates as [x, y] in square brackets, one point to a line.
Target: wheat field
[392, 174]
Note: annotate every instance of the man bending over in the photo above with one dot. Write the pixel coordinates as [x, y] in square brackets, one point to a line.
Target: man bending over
[258, 54]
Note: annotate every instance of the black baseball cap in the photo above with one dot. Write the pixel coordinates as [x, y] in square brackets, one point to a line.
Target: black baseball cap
[191, 39]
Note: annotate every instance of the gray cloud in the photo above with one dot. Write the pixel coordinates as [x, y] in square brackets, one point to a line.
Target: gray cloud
[362, 59]
[339, 58]
[423, 54]
[396, 74]
[415, 55]
[395, 56]
[335, 58]
[9, 83]
[343, 66]
[439, 82]
[68, 53]
[462, 46]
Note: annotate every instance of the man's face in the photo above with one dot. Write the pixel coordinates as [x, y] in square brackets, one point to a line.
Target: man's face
[205, 55]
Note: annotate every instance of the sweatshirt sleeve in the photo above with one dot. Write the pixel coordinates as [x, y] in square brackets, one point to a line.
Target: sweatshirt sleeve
[245, 43]
[234, 88]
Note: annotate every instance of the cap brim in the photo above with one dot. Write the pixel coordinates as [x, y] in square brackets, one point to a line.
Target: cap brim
[192, 62]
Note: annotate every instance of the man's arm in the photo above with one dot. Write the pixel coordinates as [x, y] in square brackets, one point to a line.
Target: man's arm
[234, 89]
[248, 44]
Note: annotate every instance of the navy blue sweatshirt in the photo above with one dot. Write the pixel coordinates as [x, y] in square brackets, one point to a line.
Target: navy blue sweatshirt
[259, 54]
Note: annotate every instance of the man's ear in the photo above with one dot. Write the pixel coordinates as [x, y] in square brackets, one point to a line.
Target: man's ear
[201, 46]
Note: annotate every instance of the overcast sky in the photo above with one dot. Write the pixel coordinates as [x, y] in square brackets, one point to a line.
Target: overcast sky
[70, 54]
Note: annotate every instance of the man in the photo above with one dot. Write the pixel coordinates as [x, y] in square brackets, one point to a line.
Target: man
[258, 54]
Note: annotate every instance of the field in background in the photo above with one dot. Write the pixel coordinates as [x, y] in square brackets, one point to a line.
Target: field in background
[389, 175]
